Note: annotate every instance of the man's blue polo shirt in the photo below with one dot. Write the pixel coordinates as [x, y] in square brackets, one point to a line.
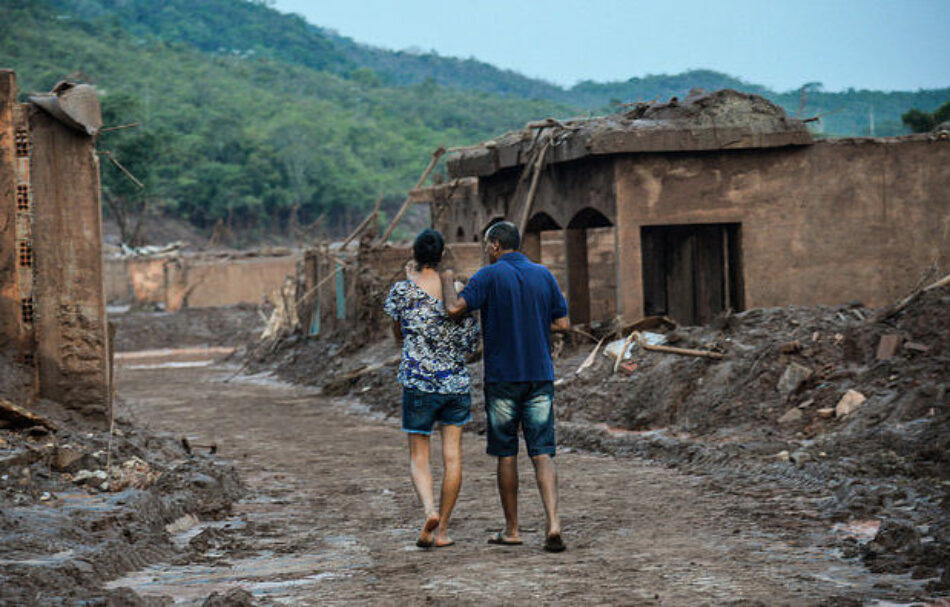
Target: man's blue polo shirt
[519, 300]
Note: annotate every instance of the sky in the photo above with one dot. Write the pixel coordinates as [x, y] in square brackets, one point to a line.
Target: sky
[782, 44]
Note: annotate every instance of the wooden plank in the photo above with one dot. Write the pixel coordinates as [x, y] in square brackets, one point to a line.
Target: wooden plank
[21, 417]
[680, 291]
[708, 264]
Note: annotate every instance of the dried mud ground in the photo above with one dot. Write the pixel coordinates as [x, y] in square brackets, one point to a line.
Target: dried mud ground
[330, 516]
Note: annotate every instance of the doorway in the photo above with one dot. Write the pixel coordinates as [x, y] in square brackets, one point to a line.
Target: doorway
[692, 273]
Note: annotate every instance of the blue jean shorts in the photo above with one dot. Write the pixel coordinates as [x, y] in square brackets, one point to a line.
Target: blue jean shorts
[420, 410]
[529, 405]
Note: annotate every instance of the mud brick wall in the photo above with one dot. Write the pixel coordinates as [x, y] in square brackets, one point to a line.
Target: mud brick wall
[72, 345]
[140, 281]
[9, 295]
[207, 283]
[833, 222]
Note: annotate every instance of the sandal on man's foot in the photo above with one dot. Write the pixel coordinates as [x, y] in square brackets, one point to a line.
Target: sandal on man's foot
[500, 540]
[554, 543]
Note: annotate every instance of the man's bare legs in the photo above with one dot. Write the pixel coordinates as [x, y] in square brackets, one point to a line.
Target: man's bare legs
[451, 480]
[546, 474]
[508, 490]
[421, 474]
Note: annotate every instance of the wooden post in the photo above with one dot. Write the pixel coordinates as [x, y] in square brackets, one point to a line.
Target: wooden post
[529, 199]
[405, 205]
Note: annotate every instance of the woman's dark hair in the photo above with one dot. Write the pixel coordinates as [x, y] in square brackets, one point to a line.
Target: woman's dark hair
[427, 248]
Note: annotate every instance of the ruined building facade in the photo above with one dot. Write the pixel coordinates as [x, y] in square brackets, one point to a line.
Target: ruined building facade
[52, 304]
[719, 202]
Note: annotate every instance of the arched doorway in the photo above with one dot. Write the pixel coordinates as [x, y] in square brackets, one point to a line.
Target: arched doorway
[531, 239]
[591, 290]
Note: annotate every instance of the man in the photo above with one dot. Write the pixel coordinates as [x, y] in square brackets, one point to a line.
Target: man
[520, 304]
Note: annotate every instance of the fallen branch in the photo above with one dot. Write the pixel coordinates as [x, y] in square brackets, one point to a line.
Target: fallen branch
[590, 357]
[21, 417]
[131, 125]
[366, 222]
[325, 279]
[405, 205]
[128, 174]
[584, 333]
[623, 349]
[887, 313]
[684, 351]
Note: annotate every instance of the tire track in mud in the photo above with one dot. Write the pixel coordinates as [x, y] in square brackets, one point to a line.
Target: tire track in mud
[332, 518]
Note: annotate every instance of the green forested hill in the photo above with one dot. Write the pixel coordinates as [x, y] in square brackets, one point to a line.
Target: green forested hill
[265, 119]
[247, 135]
[243, 27]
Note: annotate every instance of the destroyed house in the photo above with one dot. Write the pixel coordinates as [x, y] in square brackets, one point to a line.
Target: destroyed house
[53, 330]
[716, 202]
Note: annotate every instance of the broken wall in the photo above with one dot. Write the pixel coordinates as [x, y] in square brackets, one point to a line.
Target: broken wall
[825, 224]
[52, 304]
[208, 283]
[72, 344]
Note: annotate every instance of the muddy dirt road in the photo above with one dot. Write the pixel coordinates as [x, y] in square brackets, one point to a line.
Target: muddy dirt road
[331, 516]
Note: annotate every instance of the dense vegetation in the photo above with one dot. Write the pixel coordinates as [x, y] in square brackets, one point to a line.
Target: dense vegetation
[270, 122]
[921, 122]
[244, 135]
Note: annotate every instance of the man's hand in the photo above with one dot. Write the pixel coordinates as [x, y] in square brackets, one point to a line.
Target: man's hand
[561, 325]
[455, 306]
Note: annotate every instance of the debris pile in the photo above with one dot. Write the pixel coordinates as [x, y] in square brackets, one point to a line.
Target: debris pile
[79, 506]
[724, 119]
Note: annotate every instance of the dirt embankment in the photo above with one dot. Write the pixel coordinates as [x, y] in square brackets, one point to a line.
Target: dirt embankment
[764, 415]
[78, 508]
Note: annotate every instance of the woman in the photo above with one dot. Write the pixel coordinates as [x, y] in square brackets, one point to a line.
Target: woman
[435, 380]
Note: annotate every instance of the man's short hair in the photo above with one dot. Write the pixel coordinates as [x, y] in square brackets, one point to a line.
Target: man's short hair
[427, 248]
[505, 234]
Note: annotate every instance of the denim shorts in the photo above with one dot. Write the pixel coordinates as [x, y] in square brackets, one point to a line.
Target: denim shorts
[529, 405]
[420, 410]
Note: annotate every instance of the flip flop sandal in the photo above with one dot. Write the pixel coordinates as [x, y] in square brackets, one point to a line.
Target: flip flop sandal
[554, 543]
[500, 540]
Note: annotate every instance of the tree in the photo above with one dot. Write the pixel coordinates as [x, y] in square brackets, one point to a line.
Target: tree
[921, 122]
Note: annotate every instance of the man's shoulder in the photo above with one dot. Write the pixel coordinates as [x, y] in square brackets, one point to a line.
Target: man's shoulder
[486, 272]
[539, 270]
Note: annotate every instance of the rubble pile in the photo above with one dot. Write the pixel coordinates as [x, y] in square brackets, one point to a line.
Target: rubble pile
[827, 402]
[79, 507]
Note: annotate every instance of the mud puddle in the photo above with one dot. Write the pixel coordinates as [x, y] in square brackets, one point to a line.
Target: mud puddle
[271, 576]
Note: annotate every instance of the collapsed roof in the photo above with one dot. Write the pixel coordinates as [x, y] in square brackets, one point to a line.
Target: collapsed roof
[724, 119]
